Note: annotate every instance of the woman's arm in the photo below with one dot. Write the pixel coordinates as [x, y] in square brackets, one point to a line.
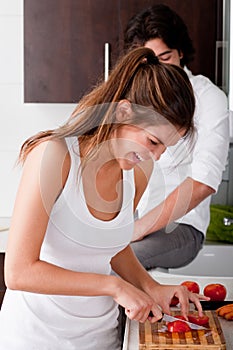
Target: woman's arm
[126, 265]
[44, 175]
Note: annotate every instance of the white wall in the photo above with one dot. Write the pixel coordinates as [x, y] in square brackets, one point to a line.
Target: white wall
[17, 119]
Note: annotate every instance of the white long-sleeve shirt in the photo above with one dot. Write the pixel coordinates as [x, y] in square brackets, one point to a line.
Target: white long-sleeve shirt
[205, 162]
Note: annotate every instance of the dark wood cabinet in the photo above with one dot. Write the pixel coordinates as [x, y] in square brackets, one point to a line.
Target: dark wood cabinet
[64, 46]
[64, 41]
[2, 282]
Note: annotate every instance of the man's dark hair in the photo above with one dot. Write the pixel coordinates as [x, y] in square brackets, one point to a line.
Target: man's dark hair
[159, 21]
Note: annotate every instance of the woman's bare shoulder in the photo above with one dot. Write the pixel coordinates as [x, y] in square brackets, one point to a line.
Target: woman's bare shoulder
[52, 150]
[50, 157]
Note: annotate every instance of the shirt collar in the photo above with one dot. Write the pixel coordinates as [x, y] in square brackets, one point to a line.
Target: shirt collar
[188, 72]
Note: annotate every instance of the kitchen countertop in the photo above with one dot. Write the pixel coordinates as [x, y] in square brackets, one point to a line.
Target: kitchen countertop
[131, 339]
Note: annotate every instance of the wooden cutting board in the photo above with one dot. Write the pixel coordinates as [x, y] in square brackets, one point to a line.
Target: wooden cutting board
[155, 336]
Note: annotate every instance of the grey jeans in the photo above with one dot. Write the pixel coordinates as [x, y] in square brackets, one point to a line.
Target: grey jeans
[169, 250]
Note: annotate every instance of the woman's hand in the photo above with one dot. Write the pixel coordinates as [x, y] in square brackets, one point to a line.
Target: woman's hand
[163, 294]
[139, 293]
[137, 303]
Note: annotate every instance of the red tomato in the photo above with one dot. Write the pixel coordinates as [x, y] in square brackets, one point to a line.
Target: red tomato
[178, 326]
[192, 286]
[174, 301]
[201, 321]
[215, 291]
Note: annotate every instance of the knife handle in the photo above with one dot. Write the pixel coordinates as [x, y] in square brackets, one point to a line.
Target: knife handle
[152, 315]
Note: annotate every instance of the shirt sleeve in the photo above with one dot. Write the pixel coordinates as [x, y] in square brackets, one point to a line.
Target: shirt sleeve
[212, 124]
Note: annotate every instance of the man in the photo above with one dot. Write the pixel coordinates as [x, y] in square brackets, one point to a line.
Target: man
[174, 213]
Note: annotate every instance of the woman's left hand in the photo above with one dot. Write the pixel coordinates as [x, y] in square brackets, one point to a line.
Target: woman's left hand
[163, 294]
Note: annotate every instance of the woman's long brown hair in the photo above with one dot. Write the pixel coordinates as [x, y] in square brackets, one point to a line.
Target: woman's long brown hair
[144, 81]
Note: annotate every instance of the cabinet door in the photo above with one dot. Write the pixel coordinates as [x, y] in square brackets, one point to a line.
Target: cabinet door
[64, 46]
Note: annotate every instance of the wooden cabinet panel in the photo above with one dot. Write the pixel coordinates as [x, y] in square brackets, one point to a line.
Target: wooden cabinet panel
[64, 41]
[64, 46]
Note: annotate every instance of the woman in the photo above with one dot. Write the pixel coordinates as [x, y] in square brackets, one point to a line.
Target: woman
[73, 216]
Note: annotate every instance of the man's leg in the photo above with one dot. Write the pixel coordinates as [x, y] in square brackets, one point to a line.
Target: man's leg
[169, 250]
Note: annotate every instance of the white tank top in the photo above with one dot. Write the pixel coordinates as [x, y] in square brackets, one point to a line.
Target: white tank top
[77, 241]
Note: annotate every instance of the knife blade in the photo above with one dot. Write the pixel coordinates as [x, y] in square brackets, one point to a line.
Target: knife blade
[169, 318]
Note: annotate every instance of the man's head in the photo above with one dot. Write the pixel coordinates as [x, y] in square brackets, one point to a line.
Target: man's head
[161, 29]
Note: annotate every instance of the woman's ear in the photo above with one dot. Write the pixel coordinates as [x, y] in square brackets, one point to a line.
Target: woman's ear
[123, 111]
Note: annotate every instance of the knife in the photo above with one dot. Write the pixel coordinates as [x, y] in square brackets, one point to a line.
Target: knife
[168, 318]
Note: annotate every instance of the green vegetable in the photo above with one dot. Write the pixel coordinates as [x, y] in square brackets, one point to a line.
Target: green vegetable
[217, 231]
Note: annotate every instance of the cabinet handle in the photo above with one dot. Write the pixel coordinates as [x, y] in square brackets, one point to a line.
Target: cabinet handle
[218, 46]
[221, 54]
[106, 61]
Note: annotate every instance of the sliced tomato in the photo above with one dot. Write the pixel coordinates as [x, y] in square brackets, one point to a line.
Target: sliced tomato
[201, 321]
[174, 301]
[178, 326]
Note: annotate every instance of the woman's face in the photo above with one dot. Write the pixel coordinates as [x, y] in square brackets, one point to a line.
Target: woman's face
[163, 52]
[134, 144]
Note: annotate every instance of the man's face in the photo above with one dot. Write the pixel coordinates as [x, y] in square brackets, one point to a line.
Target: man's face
[163, 52]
